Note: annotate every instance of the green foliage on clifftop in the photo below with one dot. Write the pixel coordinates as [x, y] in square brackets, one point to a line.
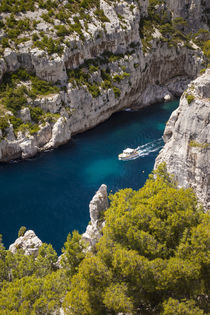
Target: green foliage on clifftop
[153, 258]
[15, 24]
[18, 91]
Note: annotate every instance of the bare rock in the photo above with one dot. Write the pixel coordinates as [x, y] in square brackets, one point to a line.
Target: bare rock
[52, 70]
[30, 243]
[187, 140]
[155, 93]
[60, 133]
[3, 68]
[10, 57]
[52, 103]
[178, 85]
[194, 11]
[29, 147]
[25, 115]
[10, 133]
[44, 134]
[97, 206]
[110, 14]
[9, 150]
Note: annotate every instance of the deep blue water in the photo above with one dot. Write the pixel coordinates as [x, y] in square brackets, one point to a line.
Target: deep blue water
[50, 194]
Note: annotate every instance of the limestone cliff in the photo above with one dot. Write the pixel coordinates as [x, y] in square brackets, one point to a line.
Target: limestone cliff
[97, 59]
[196, 12]
[187, 140]
[97, 206]
[29, 243]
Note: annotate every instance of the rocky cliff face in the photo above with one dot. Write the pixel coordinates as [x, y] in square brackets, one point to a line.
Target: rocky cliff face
[101, 65]
[196, 12]
[97, 206]
[29, 243]
[187, 140]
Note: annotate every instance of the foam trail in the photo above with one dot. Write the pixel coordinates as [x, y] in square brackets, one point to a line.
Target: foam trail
[150, 147]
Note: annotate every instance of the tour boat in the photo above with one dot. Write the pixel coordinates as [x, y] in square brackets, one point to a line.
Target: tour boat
[128, 154]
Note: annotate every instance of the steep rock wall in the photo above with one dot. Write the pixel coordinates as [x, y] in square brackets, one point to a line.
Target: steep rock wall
[195, 12]
[187, 140]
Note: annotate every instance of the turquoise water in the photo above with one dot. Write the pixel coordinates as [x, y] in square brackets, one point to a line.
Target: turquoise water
[50, 193]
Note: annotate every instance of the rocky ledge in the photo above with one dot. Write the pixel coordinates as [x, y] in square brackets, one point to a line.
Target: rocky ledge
[187, 140]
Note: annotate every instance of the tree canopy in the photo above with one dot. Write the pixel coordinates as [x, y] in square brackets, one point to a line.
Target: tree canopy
[153, 258]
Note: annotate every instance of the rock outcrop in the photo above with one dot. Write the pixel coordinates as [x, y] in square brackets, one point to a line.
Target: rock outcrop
[29, 243]
[97, 206]
[120, 66]
[187, 140]
[192, 11]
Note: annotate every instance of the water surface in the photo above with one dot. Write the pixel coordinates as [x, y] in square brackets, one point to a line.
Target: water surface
[50, 194]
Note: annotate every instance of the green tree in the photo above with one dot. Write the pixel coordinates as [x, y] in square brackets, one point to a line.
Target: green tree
[15, 99]
[116, 298]
[172, 307]
[3, 266]
[154, 247]
[22, 231]
[4, 124]
[46, 259]
[19, 265]
[73, 253]
[87, 288]
[153, 256]
[32, 295]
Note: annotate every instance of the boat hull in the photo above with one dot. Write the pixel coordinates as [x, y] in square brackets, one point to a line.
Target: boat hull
[134, 156]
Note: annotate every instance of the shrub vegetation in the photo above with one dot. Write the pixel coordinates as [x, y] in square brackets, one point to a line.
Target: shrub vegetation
[190, 98]
[4, 124]
[22, 231]
[15, 25]
[16, 91]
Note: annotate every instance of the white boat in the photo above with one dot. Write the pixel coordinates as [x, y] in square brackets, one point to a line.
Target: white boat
[128, 154]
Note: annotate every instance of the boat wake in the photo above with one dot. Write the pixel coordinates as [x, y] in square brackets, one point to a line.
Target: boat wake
[141, 151]
[150, 147]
